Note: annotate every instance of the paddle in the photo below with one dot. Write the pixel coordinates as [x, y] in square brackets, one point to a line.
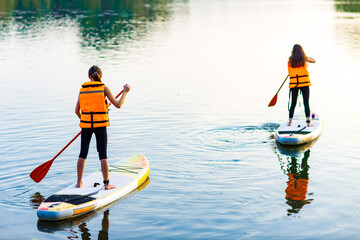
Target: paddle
[274, 99]
[40, 172]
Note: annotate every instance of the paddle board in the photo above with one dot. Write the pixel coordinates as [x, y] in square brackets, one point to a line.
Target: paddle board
[75, 222]
[72, 201]
[299, 132]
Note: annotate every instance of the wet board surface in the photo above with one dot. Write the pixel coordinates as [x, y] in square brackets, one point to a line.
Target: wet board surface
[72, 201]
[299, 132]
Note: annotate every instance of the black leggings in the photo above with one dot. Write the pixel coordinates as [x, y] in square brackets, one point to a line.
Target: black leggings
[101, 141]
[294, 94]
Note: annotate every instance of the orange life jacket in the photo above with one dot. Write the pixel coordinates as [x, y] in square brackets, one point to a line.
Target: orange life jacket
[93, 105]
[299, 76]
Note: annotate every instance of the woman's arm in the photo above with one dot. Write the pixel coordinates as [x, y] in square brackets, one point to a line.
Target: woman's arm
[113, 100]
[311, 60]
[77, 109]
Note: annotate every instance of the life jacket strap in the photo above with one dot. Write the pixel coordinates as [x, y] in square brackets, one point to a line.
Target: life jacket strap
[92, 118]
[104, 121]
[297, 80]
[92, 85]
[297, 76]
[89, 113]
[100, 91]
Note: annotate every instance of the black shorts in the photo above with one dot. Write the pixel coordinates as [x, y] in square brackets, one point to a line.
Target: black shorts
[101, 141]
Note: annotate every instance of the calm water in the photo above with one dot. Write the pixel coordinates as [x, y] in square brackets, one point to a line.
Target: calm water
[202, 73]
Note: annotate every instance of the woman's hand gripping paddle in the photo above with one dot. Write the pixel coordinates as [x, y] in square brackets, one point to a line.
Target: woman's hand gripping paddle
[40, 172]
[274, 99]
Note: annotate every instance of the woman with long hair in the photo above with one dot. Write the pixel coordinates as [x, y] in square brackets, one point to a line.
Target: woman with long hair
[299, 80]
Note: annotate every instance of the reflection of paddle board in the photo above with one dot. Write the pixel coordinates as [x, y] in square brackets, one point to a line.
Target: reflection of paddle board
[298, 132]
[71, 201]
[294, 150]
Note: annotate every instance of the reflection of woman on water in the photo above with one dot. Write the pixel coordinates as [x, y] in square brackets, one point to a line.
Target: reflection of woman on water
[103, 233]
[298, 183]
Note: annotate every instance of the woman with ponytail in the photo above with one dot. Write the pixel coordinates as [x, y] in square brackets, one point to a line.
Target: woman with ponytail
[92, 110]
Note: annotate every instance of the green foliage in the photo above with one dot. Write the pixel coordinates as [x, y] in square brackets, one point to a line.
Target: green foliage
[348, 6]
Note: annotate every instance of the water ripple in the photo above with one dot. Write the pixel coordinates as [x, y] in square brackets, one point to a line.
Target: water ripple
[233, 138]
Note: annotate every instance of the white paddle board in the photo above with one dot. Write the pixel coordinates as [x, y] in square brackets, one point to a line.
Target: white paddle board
[75, 222]
[299, 132]
[72, 201]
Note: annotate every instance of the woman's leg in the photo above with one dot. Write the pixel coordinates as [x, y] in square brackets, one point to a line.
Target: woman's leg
[306, 96]
[101, 145]
[85, 142]
[80, 171]
[294, 95]
[105, 173]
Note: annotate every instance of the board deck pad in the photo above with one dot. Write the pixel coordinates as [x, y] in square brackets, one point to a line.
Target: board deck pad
[88, 185]
[72, 201]
[67, 198]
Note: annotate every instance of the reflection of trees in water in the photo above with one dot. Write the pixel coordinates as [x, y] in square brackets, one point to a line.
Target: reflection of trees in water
[101, 22]
[348, 26]
[347, 6]
[141, 8]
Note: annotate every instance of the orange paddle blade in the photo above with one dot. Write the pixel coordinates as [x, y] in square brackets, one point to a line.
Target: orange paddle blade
[40, 172]
[273, 101]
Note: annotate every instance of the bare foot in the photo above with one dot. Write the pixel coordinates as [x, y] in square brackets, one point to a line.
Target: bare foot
[308, 122]
[78, 185]
[109, 186]
[290, 122]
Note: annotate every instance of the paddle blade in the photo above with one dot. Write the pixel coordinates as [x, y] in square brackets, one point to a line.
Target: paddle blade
[40, 172]
[273, 101]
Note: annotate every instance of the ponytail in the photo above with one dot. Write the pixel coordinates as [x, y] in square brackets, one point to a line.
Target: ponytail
[95, 73]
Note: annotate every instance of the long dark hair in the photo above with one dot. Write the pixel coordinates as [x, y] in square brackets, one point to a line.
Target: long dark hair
[96, 73]
[298, 57]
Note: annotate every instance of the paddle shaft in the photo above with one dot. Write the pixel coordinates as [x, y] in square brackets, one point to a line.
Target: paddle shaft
[67, 145]
[282, 84]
